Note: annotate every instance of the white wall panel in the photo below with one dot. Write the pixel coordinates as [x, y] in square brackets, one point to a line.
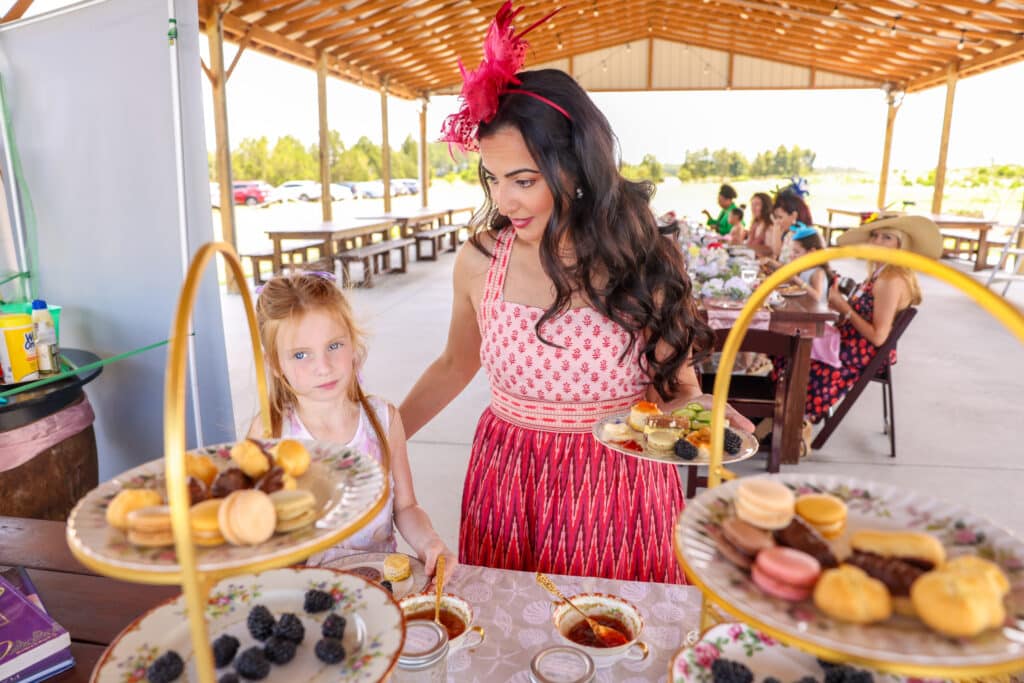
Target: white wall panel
[613, 68]
[752, 72]
[829, 79]
[560, 64]
[688, 67]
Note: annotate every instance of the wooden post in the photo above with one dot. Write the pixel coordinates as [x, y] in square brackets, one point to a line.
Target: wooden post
[947, 119]
[385, 146]
[890, 121]
[325, 157]
[424, 154]
[215, 38]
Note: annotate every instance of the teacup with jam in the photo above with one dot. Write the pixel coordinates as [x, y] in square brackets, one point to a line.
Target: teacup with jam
[606, 610]
[456, 617]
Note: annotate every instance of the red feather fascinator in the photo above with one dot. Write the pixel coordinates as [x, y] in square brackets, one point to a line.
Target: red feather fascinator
[504, 56]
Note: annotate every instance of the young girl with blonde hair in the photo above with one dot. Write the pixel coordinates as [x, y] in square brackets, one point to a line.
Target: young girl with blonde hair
[314, 351]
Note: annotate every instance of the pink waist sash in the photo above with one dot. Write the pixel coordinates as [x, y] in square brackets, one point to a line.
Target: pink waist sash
[557, 417]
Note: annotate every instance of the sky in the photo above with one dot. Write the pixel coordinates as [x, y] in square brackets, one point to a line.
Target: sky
[846, 128]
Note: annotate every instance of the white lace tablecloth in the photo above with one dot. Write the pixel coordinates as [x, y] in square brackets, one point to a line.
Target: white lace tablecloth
[516, 614]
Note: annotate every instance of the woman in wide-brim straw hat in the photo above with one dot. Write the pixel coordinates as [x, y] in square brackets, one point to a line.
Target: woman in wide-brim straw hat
[866, 318]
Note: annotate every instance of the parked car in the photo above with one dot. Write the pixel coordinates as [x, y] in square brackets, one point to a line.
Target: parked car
[251, 192]
[340, 192]
[374, 189]
[411, 184]
[398, 188]
[351, 185]
[303, 190]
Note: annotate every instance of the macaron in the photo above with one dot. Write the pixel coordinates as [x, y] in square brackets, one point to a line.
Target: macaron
[250, 458]
[247, 517]
[748, 539]
[128, 500]
[292, 456]
[294, 508]
[849, 594]
[785, 573]
[150, 527]
[765, 503]
[204, 518]
[824, 512]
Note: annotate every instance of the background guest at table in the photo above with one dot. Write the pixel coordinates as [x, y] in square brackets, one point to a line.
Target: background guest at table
[866, 320]
[736, 233]
[760, 219]
[788, 209]
[805, 240]
[314, 350]
[577, 308]
[726, 203]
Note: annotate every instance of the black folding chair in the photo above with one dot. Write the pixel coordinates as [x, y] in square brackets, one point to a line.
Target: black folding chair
[878, 370]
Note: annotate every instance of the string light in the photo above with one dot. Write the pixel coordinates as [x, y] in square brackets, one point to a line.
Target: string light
[707, 68]
[558, 37]
[960, 45]
[604, 65]
[835, 10]
[650, 29]
[596, 12]
[629, 48]
[892, 29]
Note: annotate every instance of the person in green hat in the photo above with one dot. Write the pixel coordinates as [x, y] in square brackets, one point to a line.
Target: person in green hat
[726, 202]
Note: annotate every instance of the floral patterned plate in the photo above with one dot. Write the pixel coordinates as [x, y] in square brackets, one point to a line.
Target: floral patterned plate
[762, 654]
[346, 485]
[374, 633]
[638, 449]
[724, 302]
[416, 581]
[901, 644]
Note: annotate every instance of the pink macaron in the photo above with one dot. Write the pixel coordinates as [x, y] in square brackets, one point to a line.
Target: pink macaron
[785, 573]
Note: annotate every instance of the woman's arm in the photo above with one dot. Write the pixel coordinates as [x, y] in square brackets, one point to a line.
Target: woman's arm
[819, 283]
[889, 292]
[412, 520]
[449, 374]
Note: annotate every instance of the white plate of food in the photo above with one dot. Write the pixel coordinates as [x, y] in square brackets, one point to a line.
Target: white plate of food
[791, 290]
[371, 566]
[370, 640]
[345, 485]
[897, 643]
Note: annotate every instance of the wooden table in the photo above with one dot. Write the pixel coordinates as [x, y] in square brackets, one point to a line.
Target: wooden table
[793, 325]
[411, 221]
[330, 234]
[94, 609]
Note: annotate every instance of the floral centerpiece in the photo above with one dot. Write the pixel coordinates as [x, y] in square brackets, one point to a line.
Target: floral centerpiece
[714, 273]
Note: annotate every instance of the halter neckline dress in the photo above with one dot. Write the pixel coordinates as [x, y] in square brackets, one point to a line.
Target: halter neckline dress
[541, 494]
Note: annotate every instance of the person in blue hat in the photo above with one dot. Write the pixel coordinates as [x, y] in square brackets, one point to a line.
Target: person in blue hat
[806, 239]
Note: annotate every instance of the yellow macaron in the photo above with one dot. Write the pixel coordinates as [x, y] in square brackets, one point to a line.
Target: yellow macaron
[295, 508]
[765, 503]
[128, 500]
[204, 518]
[150, 527]
[292, 456]
[824, 512]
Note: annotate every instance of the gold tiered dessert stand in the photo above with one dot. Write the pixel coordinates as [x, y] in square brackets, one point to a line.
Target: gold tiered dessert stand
[197, 584]
[1012, 319]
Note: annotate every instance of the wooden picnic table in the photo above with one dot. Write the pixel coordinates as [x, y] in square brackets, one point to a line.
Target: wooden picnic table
[413, 220]
[330, 234]
[93, 609]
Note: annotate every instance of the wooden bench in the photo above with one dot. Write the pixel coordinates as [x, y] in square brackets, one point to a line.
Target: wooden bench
[827, 231]
[435, 237]
[966, 243]
[374, 257]
[298, 253]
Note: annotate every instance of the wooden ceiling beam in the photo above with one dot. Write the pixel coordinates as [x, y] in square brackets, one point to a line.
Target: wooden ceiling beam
[297, 12]
[996, 58]
[927, 18]
[394, 21]
[456, 17]
[402, 29]
[17, 11]
[249, 7]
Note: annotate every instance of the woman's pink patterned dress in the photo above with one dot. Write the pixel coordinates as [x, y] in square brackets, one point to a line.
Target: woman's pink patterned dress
[541, 494]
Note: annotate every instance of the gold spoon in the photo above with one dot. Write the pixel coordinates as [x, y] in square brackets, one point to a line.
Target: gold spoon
[438, 588]
[611, 637]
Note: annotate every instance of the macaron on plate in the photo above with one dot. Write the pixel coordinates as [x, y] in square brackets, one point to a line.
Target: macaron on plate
[338, 488]
[372, 639]
[770, 589]
[371, 566]
[762, 654]
[636, 446]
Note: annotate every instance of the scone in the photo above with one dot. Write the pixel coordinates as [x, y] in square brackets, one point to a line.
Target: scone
[962, 598]
[201, 467]
[396, 567]
[128, 500]
[849, 594]
[250, 458]
[639, 413]
[292, 456]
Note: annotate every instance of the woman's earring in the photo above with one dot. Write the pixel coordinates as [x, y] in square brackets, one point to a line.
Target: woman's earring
[579, 193]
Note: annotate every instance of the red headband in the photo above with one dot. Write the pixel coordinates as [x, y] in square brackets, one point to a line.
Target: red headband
[504, 55]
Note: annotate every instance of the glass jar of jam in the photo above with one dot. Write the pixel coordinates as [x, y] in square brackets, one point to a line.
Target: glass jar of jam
[562, 664]
[424, 657]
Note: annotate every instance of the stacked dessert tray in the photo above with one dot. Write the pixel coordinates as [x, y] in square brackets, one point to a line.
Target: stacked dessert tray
[853, 571]
[227, 585]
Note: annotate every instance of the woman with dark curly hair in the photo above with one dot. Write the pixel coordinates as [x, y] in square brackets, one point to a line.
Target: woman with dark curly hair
[576, 308]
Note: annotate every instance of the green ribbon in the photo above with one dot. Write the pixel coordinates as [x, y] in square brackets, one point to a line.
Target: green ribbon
[74, 370]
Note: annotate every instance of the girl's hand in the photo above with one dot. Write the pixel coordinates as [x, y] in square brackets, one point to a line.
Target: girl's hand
[434, 549]
[836, 300]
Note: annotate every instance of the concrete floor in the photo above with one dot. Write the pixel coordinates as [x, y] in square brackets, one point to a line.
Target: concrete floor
[959, 388]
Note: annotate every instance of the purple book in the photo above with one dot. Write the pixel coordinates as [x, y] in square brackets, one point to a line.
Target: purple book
[32, 645]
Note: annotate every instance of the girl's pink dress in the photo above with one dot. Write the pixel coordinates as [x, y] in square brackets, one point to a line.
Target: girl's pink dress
[541, 494]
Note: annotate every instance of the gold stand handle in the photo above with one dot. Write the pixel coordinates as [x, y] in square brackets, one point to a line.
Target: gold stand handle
[197, 585]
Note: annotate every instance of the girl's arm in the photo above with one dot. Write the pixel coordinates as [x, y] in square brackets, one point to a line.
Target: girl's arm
[819, 283]
[411, 519]
[449, 374]
[889, 291]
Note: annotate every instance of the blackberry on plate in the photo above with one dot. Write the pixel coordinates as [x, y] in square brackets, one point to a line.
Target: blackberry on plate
[317, 601]
[252, 664]
[771, 679]
[260, 623]
[224, 650]
[859, 676]
[728, 671]
[387, 586]
[329, 650]
[686, 450]
[808, 679]
[333, 626]
[165, 668]
[733, 442]
[826, 665]
[279, 650]
[228, 678]
[290, 628]
[835, 674]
